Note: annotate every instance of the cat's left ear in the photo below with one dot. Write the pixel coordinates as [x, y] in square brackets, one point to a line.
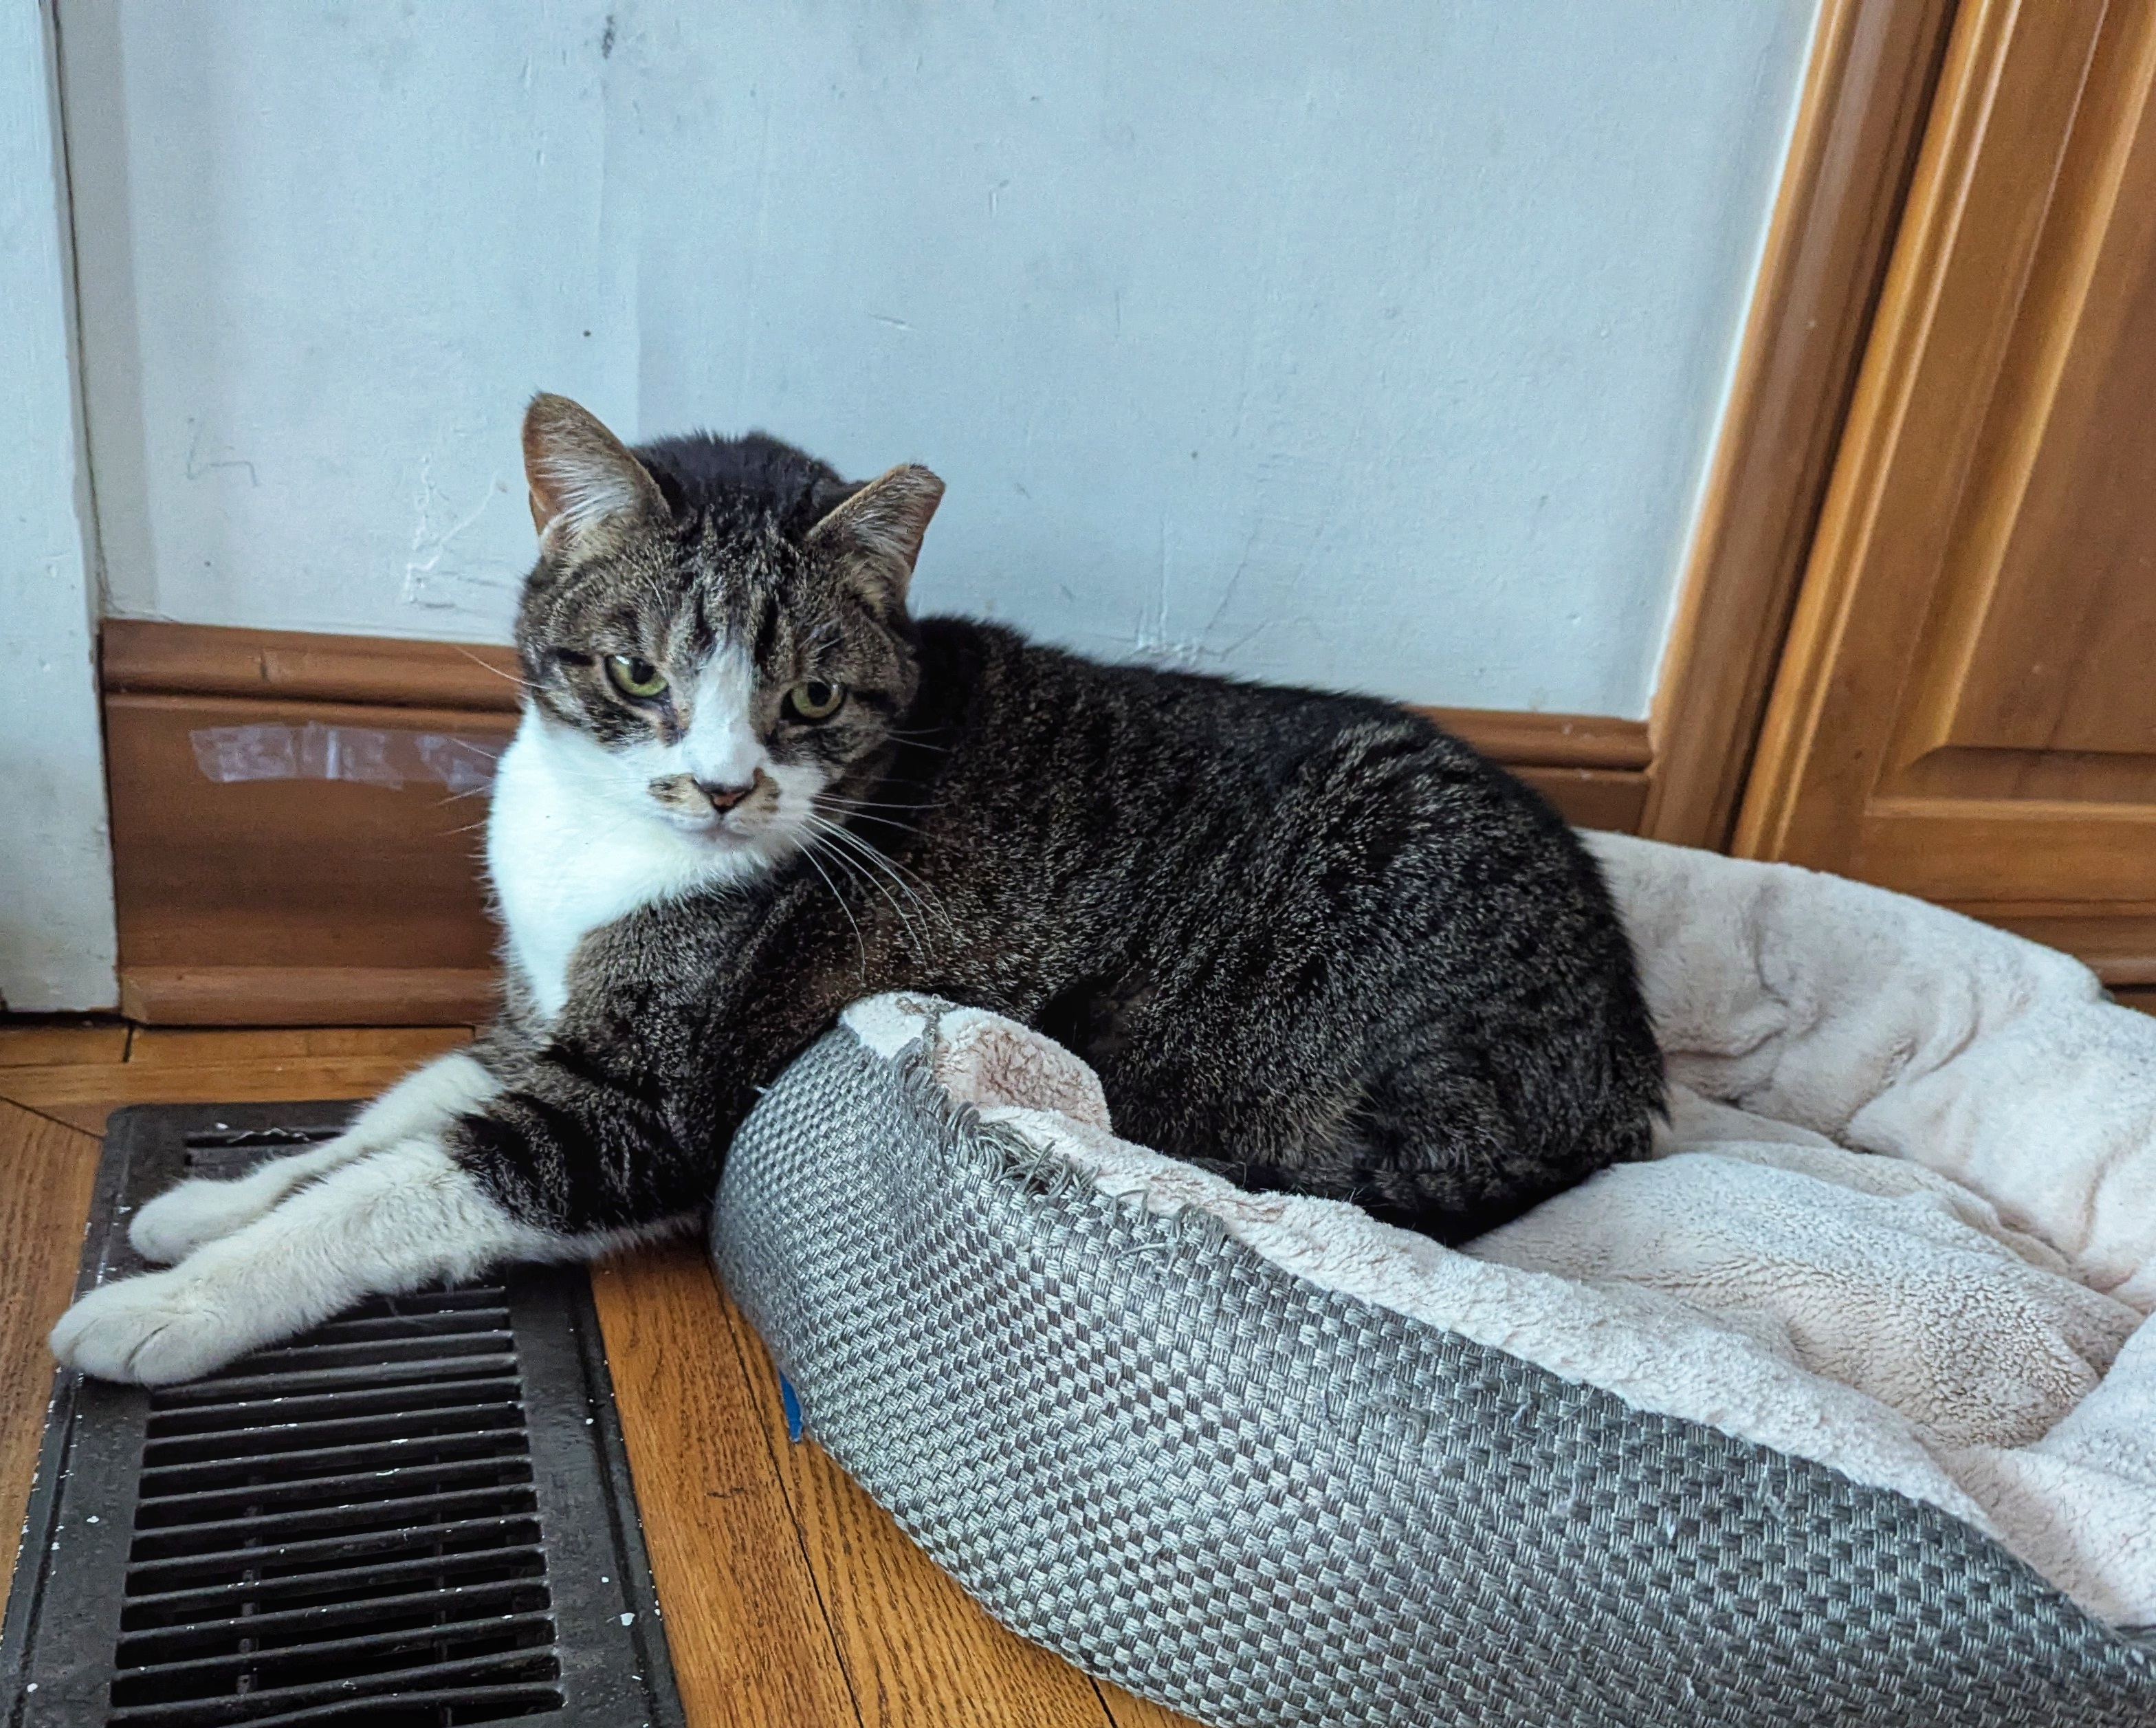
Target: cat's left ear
[882, 525]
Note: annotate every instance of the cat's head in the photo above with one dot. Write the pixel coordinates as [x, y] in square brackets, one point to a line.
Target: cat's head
[715, 632]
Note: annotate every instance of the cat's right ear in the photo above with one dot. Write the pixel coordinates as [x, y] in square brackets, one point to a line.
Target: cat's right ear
[587, 490]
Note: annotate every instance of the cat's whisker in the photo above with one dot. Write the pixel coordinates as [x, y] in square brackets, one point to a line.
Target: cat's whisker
[868, 813]
[860, 941]
[929, 907]
[480, 791]
[884, 858]
[511, 677]
[891, 823]
[864, 856]
[854, 869]
[875, 803]
[853, 863]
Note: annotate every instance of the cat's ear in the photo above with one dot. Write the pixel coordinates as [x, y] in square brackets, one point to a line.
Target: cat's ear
[587, 489]
[882, 525]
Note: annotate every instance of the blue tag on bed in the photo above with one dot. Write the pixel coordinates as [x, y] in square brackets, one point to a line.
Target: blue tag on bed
[792, 1404]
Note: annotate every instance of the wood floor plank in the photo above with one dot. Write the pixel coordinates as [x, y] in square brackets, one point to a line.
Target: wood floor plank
[83, 1094]
[745, 1625]
[45, 1044]
[171, 1044]
[916, 1647]
[46, 1173]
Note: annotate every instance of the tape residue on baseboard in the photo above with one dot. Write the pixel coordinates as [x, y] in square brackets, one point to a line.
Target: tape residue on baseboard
[360, 754]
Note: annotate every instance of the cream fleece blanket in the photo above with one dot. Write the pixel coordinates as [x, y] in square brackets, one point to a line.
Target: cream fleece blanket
[1903, 1223]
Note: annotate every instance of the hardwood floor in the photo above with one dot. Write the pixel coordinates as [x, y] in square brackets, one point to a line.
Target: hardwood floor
[45, 1172]
[791, 1598]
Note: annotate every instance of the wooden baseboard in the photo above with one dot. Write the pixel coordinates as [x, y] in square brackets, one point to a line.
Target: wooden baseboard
[160, 659]
[304, 995]
[307, 900]
[1592, 766]
[292, 845]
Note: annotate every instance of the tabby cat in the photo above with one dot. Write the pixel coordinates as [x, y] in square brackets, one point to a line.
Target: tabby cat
[1309, 941]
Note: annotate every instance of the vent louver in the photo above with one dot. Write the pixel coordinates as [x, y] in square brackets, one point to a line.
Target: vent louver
[416, 1514]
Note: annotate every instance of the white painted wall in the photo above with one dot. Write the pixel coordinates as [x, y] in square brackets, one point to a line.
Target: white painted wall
[1378, 346]
[57, 946]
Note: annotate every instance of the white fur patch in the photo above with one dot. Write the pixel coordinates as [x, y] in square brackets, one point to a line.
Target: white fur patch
[720, 747]
[386, 1222]
[191, 1213]
[575, 841]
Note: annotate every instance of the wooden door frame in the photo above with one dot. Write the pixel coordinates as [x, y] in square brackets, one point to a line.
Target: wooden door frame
[1861, 120]
[1938, 346]
[1919, 442]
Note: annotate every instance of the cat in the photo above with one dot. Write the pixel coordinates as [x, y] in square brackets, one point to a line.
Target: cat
[1310, 941]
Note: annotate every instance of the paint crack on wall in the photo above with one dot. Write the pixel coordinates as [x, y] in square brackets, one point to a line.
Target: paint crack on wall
[437, 577]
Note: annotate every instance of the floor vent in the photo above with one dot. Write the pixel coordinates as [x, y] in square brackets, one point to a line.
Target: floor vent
[418, 1514]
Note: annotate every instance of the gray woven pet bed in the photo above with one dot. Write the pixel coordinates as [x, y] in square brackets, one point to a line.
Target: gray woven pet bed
[1841, 1409]
[1193, 1473]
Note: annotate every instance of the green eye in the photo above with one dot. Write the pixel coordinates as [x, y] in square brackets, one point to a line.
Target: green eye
[812, 699]
[635, 676]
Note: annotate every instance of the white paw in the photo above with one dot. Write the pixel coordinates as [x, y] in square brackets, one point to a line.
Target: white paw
[181, 1219]
[155, 1330]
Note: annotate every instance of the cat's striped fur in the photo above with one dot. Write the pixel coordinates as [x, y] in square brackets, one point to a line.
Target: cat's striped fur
[1307, 940]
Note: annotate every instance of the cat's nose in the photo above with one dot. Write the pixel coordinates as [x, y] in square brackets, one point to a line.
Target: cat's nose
[724, 797]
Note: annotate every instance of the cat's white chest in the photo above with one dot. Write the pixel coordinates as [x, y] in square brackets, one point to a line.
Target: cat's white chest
[566, 860]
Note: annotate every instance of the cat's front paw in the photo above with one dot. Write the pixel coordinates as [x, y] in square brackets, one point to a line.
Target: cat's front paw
[181, 1219]
[155, 1330]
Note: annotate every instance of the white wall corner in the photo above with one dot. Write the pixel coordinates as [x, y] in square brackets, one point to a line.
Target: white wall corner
[59, 946]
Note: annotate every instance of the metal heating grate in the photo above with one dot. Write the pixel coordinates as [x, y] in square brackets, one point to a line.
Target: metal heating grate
[416, 1514]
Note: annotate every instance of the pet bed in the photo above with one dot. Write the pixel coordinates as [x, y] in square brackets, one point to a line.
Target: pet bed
[1835, 1412]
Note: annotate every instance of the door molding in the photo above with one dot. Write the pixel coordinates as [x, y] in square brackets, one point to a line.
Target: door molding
[1868, 86]
[1936, 725]
[2006, 106]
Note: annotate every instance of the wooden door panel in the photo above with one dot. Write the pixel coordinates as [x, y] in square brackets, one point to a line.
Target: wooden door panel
[2050, 580]
[1966, 709]
[1964, 852]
